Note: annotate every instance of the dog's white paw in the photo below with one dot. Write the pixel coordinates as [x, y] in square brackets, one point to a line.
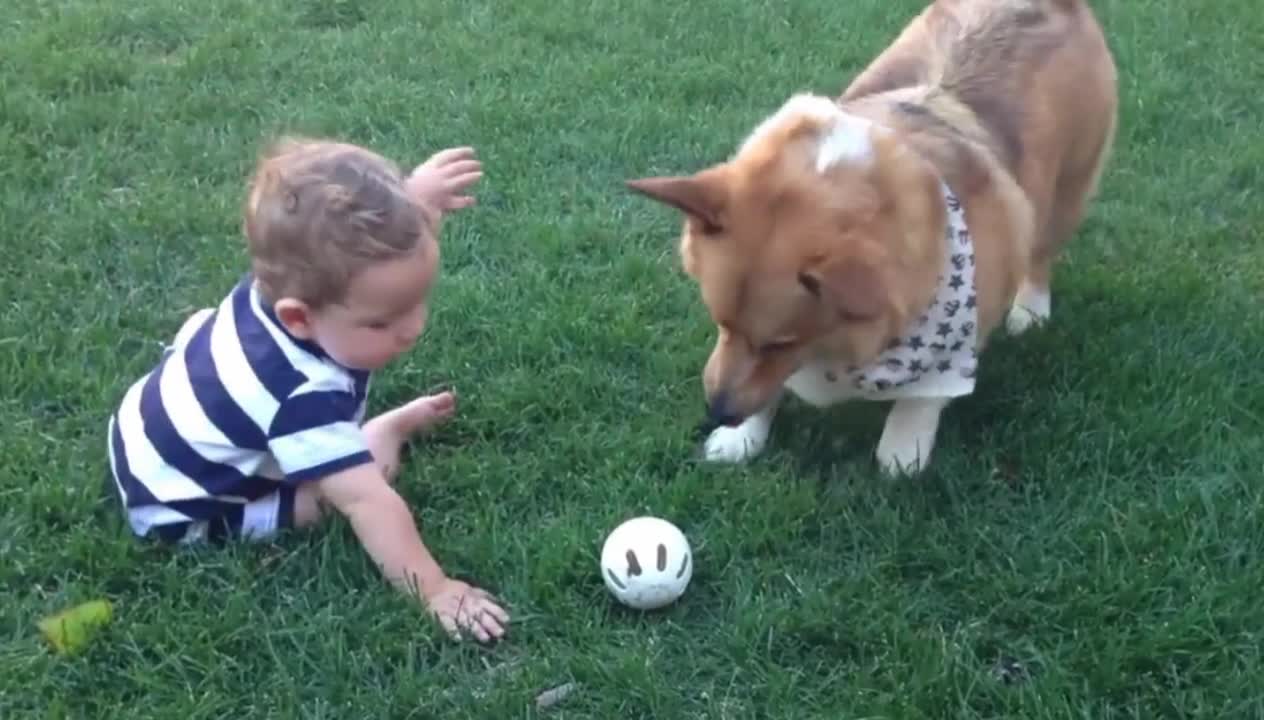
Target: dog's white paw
[735, 444]
[1021, 319]
[903, 455]
[1032, 306]
[744, 442]
[909, 436]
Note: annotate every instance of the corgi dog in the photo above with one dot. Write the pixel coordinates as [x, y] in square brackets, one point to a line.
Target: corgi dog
[865, 247]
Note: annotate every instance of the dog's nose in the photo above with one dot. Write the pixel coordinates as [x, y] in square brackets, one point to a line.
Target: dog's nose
[720, 412]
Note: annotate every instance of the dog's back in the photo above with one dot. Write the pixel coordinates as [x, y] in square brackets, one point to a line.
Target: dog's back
[1005, 60]
[1031, 80]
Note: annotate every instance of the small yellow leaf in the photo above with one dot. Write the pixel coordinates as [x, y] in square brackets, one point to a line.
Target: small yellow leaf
[70, 630]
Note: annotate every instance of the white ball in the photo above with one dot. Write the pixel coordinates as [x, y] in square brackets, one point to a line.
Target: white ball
[646, 563]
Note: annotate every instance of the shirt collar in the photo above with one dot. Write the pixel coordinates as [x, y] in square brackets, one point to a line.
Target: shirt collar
[250, 285]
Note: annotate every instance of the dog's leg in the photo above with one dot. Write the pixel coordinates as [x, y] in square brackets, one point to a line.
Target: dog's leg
[1032, 305]
[1034, 302]
[1076, 186]
[909, 435]
[744, 442]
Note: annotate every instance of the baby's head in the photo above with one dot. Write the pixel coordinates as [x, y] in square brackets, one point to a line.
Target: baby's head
[341, 253]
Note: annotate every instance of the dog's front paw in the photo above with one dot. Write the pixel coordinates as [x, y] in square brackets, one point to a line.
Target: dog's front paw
[909, 436]
[903, 456]
[1031, 307]
[735, 444]
[1021, 319]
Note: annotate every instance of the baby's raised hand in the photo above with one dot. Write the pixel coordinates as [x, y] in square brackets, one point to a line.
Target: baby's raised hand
[441, 182]
[461, 607]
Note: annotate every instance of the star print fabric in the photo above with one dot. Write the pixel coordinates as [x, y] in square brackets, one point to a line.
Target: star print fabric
[938, 355]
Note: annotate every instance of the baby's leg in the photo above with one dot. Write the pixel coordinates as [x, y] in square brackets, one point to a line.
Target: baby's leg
[385, 435]
[307, 507]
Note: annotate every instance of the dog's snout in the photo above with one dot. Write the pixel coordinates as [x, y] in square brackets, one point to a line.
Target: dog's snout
[720, 411]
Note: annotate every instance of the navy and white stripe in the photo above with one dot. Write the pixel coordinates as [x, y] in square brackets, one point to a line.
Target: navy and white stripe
[233, 413]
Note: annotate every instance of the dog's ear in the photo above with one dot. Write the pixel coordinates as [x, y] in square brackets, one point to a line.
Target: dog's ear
[703, 195]
[852, 288]
[910, 187]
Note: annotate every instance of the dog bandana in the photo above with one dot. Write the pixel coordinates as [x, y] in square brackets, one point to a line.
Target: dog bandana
[938, 355]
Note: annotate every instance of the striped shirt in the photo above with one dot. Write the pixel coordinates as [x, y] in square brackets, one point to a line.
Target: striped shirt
[233, 414]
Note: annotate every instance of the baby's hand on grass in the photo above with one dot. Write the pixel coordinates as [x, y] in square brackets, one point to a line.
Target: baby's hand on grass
[441, 182]
[461, 607]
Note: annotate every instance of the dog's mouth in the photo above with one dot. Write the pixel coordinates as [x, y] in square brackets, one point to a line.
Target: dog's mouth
[704, 429]
[710, 423]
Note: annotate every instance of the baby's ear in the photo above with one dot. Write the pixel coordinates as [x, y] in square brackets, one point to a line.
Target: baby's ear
[295, 316]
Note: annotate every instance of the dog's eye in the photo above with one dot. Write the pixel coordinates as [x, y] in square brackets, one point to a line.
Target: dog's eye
[777, 346]
[810, 283]
[706, 227]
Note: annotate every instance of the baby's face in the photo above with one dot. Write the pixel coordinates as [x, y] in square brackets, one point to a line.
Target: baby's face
[383, 314]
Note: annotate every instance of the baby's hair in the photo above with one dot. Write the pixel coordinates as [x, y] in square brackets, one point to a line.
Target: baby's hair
[319, 211]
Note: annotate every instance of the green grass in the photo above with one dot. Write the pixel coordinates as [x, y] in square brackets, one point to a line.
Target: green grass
[1094, 514]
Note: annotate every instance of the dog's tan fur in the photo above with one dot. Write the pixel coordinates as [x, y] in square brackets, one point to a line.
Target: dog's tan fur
[1012, 103]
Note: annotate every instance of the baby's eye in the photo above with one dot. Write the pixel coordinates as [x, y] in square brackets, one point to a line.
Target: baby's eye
[378, 325]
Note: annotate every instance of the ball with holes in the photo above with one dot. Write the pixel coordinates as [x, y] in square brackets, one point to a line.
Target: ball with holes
[646, 563]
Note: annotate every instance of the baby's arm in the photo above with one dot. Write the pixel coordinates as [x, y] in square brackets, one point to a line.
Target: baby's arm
[443, 181]
[332, 460]
[386, 529]
[385, 526]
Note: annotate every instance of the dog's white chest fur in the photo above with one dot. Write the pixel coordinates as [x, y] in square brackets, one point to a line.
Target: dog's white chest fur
[935, 357]
[822, 384]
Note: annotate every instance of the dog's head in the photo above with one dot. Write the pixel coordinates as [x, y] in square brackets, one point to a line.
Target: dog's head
[819, 237]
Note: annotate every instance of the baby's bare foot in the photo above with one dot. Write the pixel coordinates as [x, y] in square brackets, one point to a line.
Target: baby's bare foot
[423, 414]
[387, 433]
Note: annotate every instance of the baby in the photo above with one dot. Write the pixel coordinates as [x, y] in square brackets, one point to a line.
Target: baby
[251, 422]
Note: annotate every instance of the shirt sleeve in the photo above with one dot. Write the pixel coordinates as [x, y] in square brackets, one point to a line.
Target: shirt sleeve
[315, 434]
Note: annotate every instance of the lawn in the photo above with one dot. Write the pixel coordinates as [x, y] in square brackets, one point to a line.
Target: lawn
[1089, 544]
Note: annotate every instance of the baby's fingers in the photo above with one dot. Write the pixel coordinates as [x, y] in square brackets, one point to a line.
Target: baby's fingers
[489, 626]
[455, 183]
[458, 202]
[448, 621]
[475, 628]
[461, 167]
[481, 623]
[450, 155]
[489, 603]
